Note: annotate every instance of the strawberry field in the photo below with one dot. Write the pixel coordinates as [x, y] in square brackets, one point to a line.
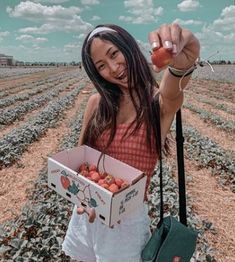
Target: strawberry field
[41, 112]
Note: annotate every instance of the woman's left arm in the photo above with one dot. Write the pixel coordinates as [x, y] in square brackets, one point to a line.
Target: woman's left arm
[185, 48]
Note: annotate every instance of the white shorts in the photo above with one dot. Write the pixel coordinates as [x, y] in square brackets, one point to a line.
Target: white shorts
[96, 242]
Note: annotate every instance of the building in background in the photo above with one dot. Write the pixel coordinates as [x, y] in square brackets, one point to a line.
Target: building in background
[6, 60]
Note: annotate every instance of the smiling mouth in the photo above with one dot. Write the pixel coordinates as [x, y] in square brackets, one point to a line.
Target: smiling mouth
[122, 76]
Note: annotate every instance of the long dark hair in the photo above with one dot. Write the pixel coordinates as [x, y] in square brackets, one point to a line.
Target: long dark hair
[140, 81]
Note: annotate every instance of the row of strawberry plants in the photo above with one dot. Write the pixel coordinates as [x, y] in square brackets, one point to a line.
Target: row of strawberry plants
[14, 143]
[213, 103]
[21, 71]
[8, 116]
[214, 86]
[228, 96]
[34, 90]
[210, 155]
[44, 80]
[10, 100]
[212, 118]
[12, 87]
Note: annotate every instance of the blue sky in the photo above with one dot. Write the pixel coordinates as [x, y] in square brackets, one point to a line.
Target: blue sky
[53, 30]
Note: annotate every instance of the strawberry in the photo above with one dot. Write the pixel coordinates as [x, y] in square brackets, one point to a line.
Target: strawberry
[95, 176]
[113, 188]
[83, 166]
[101, 181]
[118, 181]
[92, 167]
[161, 57]
[84, 173]
[124, 184]
[106, 186]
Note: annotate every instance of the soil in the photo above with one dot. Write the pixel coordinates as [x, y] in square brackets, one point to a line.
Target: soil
[211, 200]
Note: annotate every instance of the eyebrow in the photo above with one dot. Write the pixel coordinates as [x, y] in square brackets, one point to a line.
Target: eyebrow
[105, 54]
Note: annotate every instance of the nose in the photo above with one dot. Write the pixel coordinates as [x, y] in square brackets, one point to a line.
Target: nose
[113, 67]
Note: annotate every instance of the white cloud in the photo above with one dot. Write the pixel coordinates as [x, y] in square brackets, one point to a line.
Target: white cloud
[90, 2]
[31, 39]
[51, 1]
[71, 47]
[188, 5]
[95, 18]
[3, 35]
[141, 12]
[220, 35]
[52, 18]
[38, 13]
[187, 22]
[44, 29]
[226, 22]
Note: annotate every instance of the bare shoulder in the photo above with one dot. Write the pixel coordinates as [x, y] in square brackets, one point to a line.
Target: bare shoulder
[92, 105]
[94, 99]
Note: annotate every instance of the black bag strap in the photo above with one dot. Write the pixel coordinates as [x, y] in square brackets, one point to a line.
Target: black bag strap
[181, 173]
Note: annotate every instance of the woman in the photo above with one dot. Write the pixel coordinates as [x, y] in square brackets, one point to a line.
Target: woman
[123, 120]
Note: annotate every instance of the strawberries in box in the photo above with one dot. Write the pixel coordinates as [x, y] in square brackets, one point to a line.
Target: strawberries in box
[66, 177]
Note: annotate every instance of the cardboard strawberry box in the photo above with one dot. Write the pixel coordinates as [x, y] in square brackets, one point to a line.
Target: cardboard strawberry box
[65, 179]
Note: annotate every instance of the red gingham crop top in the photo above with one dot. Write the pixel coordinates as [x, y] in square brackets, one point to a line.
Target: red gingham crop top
[132, 150]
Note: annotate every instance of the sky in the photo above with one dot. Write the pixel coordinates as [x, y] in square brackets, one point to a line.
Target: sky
[53, 30]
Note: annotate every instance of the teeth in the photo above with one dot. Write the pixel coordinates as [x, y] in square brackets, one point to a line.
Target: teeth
[121, 76]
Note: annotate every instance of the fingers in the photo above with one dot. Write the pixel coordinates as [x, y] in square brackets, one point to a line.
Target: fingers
[165, 36]
[176, 37]
[81, 210]
[168, 36]
[91, 213]
[182, 44]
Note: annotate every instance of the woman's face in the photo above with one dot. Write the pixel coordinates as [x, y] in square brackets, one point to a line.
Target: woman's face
[109, 62]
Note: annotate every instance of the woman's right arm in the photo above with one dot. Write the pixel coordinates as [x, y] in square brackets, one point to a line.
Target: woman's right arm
[91, 106]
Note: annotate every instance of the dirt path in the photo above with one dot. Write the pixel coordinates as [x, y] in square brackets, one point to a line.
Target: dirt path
[16, 180]
[29, 115]
[9, 82]
[217, 204]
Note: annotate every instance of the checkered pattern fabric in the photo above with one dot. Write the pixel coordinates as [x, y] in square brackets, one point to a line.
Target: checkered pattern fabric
[132, 150]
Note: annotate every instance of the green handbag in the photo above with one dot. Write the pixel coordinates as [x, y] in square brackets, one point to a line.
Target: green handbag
[172, 238]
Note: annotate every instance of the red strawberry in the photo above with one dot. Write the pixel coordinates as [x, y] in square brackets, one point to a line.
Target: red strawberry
[113, 188]
[95, 176]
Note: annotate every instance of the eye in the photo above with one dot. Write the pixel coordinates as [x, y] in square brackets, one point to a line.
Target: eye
[100, 67]
[114, 53]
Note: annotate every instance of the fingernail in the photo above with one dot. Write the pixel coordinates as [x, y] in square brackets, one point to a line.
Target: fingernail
[167, 44]
[174, 49]
[155, 45]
